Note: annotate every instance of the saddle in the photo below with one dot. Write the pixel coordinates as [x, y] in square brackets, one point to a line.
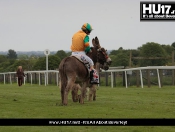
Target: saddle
[84, 61]
[91, 74]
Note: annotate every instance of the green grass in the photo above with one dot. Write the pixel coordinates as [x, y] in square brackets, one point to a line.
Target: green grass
[34, 101]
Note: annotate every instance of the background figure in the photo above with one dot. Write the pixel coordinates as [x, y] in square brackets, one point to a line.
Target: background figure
[20, 75]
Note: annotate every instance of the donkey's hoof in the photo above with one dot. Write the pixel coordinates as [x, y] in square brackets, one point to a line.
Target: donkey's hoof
[65, 104]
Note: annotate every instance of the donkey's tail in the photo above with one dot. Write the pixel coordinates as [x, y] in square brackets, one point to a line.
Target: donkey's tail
[62, 77]
[62, 72]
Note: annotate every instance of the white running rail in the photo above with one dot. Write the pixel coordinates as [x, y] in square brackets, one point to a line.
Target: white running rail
[110, 71]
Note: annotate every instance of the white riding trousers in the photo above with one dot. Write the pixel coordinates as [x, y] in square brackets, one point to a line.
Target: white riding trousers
[79, 53]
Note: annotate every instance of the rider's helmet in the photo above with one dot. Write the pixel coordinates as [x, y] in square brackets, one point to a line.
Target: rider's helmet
[87, 28]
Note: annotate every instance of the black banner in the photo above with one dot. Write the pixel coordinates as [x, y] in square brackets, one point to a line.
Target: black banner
[87, 122]
[157, 10]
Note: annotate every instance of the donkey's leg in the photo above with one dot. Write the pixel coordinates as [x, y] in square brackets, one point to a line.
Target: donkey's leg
[74, 92]
[62, 89]
[83, 92]
[62, 95]
[67, 89]
[92, 92]
[94, 88]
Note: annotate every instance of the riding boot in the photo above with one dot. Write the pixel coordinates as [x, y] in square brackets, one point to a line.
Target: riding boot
[94, 79]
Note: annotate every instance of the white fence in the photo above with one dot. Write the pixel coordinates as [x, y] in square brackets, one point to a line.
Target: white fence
[157, 68]
[30, 73]
[140, 70]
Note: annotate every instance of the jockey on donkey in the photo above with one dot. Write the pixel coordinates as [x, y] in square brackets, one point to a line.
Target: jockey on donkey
[79, 67]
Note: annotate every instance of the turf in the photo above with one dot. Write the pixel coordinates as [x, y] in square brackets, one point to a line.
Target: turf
[34, 101]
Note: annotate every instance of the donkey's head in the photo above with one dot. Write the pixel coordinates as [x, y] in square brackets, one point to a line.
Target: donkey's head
[100, 54]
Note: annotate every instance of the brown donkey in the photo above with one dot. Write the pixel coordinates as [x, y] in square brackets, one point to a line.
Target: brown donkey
[72, 70]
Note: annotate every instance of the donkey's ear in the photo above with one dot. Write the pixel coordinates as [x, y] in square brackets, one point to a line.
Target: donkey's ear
[97, 43]
[93, 42]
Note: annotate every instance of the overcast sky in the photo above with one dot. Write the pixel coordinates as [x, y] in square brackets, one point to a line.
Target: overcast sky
[36, 25]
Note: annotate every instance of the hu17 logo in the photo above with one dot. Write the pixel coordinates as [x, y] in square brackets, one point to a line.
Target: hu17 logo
[157, 10]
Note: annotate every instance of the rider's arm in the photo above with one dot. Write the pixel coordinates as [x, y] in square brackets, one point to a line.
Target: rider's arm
[86, 43]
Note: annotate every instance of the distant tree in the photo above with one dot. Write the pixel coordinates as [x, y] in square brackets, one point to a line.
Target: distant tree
[61, 54]
[7, 65]
[40, 64]
[173, 45]
[12, 54]
[34, 56]
[168, 49]
[53, 63]
[135, 53]
[120, 60]
[3, 58]
[4, 66]
[121, 48]
[68, 53]
[23, 56]
[113, 52]
[152, 49]
[120, 57]
[27, 64]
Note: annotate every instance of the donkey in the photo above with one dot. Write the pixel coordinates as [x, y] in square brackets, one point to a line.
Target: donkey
[72, 70]
[90, 90]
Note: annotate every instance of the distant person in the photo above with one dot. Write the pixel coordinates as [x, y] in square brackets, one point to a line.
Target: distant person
[20, 75]
[80, 46]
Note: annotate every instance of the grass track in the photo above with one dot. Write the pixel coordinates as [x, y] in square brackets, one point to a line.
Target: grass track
[33, 101]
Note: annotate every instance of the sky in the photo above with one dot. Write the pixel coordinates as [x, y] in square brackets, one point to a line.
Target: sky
[37, 25]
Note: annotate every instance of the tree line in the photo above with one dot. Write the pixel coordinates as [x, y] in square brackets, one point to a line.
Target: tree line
[120, 57]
